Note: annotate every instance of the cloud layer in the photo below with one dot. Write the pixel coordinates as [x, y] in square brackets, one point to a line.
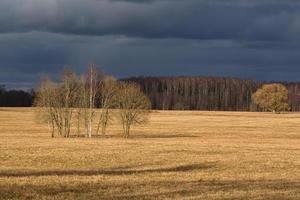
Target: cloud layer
[196, 19]
[250, 39]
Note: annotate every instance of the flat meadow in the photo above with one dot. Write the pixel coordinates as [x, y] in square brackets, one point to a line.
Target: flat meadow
[178, 155]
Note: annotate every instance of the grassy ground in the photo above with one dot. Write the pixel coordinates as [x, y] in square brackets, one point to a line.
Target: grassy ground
[179, 155]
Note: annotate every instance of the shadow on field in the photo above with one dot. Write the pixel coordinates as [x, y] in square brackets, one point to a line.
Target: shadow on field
[153, 136]
[182, 168]
[219, 189]
[139, 136]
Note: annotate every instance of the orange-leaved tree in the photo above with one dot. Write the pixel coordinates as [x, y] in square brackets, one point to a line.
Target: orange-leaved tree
[272, 97]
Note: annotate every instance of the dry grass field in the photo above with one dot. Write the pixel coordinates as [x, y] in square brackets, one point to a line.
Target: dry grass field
[179, 155]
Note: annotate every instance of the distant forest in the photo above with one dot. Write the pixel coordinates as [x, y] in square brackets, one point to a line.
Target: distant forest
[15, 98]
[207, 93]
[183, 93]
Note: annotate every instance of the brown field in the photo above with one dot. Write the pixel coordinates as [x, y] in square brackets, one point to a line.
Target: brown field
[179, 155]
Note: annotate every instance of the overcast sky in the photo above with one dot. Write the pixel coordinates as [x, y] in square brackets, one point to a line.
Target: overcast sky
[252, 39]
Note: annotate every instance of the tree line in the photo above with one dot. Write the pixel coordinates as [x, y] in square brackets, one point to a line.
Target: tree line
[185, 93]
[69, 106]
[15, 98]
[207, 93]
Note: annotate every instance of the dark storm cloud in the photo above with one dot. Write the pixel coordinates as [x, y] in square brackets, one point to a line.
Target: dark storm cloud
[211, 19]
[135, 1]
[257, 39]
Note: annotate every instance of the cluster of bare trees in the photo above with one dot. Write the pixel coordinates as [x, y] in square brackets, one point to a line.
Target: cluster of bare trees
[81, 103]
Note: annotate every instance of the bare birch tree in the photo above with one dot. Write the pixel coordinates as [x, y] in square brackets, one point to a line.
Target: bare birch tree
[91, 93]
[108, 94]
[43, 101]
[80, 104]
[50, 104]
[69, 90]
[58, 101]
[133, 106]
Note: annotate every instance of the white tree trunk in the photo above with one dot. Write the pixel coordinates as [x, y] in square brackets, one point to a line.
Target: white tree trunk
[91, 104]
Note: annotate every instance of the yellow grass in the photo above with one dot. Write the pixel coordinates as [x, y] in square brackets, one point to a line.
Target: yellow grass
[179, 155]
